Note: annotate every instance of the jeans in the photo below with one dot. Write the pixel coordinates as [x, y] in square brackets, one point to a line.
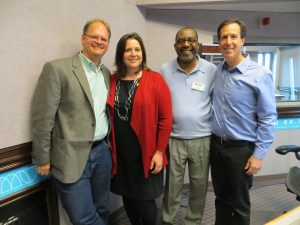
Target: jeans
[86, 200]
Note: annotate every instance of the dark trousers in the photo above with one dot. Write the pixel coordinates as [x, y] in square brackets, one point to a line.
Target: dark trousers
[140, 212]
[231, 183]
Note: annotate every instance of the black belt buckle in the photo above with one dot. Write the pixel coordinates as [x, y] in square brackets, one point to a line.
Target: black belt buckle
[223, 140]
[220, 139]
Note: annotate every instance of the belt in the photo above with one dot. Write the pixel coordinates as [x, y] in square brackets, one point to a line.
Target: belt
[230, 142]
[98, 142]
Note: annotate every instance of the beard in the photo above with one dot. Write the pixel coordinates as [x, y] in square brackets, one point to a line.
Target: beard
[188, 58]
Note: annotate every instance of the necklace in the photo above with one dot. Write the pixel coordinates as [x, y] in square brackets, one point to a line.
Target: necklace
[128, 100]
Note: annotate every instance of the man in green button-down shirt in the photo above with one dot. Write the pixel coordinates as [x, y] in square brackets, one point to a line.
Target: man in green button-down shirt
[69, 127]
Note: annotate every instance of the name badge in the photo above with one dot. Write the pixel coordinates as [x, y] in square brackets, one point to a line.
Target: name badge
[198, 86]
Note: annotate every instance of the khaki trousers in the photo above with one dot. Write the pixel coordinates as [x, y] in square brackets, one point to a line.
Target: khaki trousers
[195, 154]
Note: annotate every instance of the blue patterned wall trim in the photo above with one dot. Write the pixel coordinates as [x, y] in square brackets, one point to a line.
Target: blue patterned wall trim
[18, 179]
[287, 124]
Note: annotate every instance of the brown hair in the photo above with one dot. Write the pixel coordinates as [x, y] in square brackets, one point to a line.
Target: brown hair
[230, 21]
[119, 62]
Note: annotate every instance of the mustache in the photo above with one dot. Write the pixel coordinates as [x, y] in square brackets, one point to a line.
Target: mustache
[190, 48]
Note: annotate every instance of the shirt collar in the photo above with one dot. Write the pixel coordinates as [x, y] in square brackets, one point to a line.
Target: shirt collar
[241, 67]
[89, 64]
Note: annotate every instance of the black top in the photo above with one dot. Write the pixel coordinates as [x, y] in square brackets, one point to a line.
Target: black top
[129, 180]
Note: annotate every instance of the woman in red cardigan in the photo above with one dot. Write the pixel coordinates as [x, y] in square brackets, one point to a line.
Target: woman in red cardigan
[141, 116]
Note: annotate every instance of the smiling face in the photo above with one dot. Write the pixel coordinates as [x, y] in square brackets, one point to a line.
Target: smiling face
[95, 42]
[133, 55]
[186, 45]
[231, 44]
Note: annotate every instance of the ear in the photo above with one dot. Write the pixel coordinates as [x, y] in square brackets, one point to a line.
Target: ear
[243, 41]
[81, 39]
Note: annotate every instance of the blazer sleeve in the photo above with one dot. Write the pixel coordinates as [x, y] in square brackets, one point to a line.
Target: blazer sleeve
[44, 106]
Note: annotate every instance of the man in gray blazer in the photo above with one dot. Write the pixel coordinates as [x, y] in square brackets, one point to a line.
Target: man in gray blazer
[69, 126]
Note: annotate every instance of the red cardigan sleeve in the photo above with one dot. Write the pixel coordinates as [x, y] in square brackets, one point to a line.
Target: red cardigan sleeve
[164, 116]
[151, 117]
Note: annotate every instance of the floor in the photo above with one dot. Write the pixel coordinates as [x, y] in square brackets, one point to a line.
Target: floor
[268, 202]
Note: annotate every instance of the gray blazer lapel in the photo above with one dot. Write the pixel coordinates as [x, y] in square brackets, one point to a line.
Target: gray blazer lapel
[80, 74]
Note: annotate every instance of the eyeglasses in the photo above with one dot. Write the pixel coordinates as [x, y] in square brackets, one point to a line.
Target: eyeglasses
[96, 38]
[181, 41]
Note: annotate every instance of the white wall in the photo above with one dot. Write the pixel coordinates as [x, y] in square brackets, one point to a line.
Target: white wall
[36, 31]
